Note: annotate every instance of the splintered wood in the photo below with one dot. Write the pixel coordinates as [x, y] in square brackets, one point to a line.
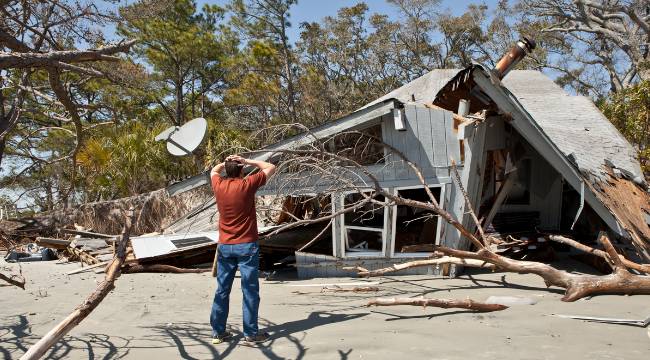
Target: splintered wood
[629, 204]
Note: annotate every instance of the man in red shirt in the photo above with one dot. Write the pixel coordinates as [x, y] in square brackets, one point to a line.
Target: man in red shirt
[237, 247]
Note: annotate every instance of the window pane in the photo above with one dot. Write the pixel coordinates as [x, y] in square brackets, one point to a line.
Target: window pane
[416, 229]
[369, 215]
[362, 241]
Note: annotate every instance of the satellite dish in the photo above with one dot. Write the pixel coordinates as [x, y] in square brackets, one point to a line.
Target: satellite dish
[185, 139]
[165, 134]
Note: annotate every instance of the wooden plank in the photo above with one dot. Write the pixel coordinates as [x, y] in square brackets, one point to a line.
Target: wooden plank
[52, 243]
[399, 143]
[439, 135]
[471, 178]
[413, 148]
[475, 174]
[425, 137]
[453, 145]
[501, 196]
[86, 233]
[103, 263]
[387, 171]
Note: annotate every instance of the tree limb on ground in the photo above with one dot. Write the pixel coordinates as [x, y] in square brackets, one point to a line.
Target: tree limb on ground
[159, 268]
[37, 350]
[441, 303]
[576, 286]
[16, 280]
[417, 263]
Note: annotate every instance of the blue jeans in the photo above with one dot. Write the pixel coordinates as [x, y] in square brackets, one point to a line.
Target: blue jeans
[246, 256]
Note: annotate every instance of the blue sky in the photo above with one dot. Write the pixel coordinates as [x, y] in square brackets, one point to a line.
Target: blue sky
[315, 10]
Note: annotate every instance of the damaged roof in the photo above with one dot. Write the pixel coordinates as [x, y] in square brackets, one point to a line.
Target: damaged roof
[569, 128]
[572, 122]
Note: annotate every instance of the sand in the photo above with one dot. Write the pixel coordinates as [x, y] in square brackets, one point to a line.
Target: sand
[165, 316]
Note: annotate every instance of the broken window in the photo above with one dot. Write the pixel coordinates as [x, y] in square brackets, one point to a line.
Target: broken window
[416, 230]
[363, 229]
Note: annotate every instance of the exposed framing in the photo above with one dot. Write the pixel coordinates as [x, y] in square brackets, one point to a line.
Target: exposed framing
[441, 202]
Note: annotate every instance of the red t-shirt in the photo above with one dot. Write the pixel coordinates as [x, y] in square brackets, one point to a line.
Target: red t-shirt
[236, 204]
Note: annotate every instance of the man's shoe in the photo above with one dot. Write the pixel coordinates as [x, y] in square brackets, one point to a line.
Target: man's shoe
[218, 339]
[258, 339]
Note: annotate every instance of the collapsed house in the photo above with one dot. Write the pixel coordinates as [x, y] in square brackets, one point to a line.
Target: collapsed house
[532, 158]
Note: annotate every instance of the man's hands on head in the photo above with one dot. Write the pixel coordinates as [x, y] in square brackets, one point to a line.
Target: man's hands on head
[237, 158]
[267, 168]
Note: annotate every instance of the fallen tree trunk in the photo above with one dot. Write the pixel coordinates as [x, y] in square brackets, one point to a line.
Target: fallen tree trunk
[159, 268]
[441, 303]
[417, 263]
[37, 350]
[576, 286]
[16, 280]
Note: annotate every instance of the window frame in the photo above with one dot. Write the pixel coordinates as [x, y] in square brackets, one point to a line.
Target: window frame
[342, 233]
[441, 203]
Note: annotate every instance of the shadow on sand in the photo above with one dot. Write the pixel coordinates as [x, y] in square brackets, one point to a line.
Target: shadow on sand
[188, 338]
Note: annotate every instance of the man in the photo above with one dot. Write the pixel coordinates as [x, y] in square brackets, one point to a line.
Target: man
[238, 247]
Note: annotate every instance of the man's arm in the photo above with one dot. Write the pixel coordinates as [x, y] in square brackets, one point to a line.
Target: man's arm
[217, 169]
[267, 168]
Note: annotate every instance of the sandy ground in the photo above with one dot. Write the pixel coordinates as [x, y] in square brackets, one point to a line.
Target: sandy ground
[165, 316]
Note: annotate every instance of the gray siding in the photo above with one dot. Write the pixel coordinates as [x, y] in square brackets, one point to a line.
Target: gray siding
[425, 143]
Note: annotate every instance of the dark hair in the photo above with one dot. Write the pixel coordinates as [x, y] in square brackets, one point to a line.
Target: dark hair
[233, 168]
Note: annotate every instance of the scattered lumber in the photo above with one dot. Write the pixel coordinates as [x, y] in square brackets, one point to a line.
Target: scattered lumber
[441, 303]
[159, 268]
[52, 243]
[37, 350]
[633, 322]
[16, 280]
[83, 269]
[81, 254]
[87, 233]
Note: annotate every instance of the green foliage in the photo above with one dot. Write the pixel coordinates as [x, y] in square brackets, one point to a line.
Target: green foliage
[125, 160]
[236, 67]
[629, 111]
[189, 52]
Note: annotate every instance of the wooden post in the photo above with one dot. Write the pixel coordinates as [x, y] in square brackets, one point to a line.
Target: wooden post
[39, 349]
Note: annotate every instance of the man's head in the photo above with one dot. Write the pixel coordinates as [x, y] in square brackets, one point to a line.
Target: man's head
[233, 168]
